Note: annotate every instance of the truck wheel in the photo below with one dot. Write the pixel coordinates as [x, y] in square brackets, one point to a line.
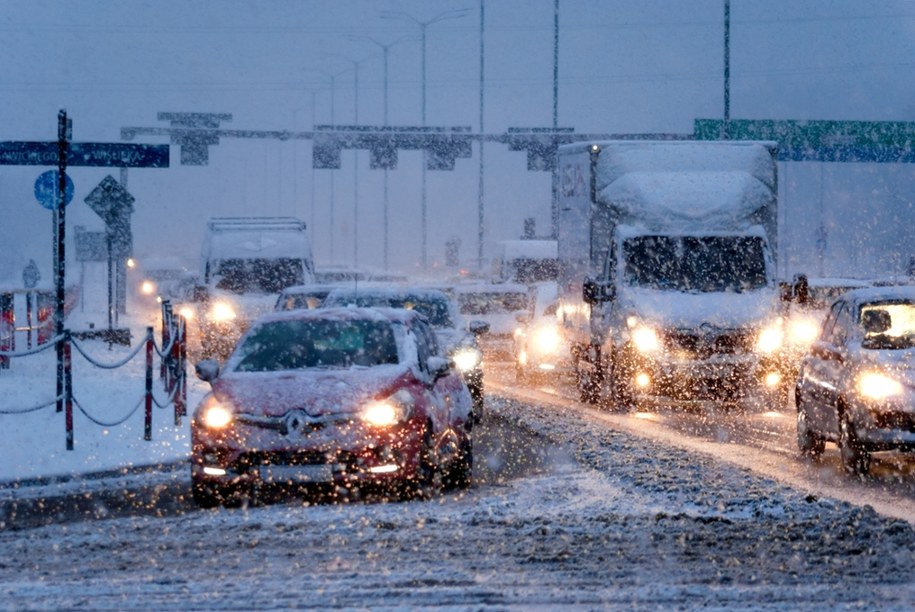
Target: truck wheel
[855, 459]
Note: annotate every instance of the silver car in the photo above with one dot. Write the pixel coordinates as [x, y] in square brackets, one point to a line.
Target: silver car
[856, 385]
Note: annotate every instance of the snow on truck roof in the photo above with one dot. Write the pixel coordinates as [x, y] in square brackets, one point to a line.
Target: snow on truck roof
[703, 199]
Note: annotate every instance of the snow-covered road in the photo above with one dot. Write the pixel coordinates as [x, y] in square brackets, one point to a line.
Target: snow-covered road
[610, 520]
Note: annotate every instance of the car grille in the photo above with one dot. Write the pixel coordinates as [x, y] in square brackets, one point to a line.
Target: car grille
[251, 460]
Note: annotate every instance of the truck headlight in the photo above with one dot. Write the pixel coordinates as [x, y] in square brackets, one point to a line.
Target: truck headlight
[878, 386]
[388, 412]
[770, 339]
[467, 358]
[646, 339]
[222, 311]
[802, 332]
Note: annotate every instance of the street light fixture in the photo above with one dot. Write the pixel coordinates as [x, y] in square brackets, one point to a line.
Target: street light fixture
[384, 48]
[423, 24]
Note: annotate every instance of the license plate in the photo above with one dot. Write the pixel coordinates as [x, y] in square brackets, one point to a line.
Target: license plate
[321, 472]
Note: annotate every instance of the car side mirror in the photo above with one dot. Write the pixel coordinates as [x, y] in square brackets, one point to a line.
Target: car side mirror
[826, 351]
[207, 370]
[438, 367]
[478, 328]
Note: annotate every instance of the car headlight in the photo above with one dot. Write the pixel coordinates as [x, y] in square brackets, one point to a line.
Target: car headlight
[877, 386]
[770, 339]
[467, 358]
[391, 411]
[646, 339]
[547, 339]
[222, 311]
[216, 416]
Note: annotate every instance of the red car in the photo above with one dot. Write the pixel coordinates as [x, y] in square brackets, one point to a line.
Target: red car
[348, 396]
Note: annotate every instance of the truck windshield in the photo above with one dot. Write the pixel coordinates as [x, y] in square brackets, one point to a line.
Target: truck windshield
[696, 264]
[259, 275]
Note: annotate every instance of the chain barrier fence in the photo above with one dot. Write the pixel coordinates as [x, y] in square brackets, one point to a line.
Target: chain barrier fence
[172, 370]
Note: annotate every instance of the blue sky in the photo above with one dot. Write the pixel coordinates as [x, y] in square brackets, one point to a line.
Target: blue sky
[625, 67]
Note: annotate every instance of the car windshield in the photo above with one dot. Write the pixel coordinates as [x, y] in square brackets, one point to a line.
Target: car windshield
[696, 264]
[434, 309]
[888, 325]
[259, 275]
[302, 344]
[492, 302]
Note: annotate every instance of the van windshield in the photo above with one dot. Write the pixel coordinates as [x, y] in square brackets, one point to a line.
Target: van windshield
[259, 275]
[696, 264]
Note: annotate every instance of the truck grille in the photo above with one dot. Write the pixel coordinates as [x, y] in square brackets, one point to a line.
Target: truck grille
[698, 345]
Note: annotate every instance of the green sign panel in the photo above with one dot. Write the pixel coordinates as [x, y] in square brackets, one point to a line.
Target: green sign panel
[838, 141]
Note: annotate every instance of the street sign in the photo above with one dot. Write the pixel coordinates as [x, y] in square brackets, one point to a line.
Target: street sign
[110, 200]
[47, 189]
[111, 154]
[827, 141]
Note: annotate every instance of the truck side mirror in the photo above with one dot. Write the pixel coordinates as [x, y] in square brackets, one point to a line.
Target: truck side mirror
[594, 292]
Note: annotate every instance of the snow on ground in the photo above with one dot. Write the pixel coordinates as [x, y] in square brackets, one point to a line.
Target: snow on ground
[33, 444]
[613, 521]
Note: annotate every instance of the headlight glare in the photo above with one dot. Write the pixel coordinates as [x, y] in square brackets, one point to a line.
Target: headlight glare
[803, 331]
[877, 386]
[770, 339]
[467, 358]
[222, 311]
[216, 416]
[646, 339]
[547, 339]
[386, 413]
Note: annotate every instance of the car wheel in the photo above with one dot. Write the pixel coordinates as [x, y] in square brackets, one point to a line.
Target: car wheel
[460, 472]
[207, 495]
[421, 486]
[621, 397]
[808, 442]
[855, 459]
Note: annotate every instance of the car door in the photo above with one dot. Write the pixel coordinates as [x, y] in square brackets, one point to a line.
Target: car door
[823, 371]
[449, 393]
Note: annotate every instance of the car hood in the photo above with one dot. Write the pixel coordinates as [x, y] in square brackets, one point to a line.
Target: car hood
[316, 391]
[692, 310]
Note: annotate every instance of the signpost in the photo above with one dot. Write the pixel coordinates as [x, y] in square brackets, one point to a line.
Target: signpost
[61, 154]
[114, 205]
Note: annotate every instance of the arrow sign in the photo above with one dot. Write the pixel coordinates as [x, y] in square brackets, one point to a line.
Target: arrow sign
[121, 155]
[46, 189]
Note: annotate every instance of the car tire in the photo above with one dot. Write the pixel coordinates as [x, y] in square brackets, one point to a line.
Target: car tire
[588, 383]
[207, 495]
[421, 486]
[621, 396]
[808, 442]
[855, 459]
[459, 474]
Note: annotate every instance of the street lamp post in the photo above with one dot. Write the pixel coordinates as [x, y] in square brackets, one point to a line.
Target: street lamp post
[385, 47]
[450, 14]
[333, 120]
[356, 64]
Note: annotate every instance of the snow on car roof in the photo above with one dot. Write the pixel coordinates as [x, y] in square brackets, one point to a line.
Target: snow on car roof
[878, 294]
[342, 313]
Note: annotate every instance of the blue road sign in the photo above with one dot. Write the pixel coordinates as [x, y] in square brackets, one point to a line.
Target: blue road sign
[46, 189]
[24, 153]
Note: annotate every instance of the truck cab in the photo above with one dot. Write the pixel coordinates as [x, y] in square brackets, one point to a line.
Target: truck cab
[245, 263]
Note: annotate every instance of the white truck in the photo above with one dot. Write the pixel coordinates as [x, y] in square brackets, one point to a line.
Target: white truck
[245, 263]
[667, 276]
